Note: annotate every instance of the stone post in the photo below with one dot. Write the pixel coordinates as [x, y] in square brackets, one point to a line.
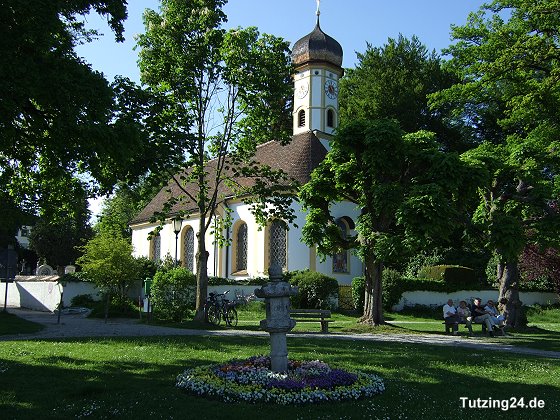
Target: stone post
[277, 294]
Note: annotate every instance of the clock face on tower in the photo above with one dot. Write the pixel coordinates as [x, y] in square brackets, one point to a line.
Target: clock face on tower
[331, 89]
[302, 90]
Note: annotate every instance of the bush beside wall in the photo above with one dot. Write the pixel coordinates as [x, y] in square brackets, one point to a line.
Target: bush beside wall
[316, 290]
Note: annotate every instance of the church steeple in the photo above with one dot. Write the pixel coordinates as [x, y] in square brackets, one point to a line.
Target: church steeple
[318, 67]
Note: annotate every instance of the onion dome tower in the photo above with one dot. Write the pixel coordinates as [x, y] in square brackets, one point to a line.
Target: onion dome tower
[318, 67]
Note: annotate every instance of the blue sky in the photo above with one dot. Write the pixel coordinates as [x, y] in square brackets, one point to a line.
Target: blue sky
[353, 23]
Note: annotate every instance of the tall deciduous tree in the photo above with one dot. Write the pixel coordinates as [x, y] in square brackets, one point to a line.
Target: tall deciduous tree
[508, 57]
[57, 115]
[405, 185]
[226, 92]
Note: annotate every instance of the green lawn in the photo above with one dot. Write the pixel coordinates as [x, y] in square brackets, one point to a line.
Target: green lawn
[134, 378]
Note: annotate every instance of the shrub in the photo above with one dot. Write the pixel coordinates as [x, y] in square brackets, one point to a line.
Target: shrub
[220, 281]
[453, 275]
[173, 294]
[85, 301]
[358, 293]
[148, 268]
[392, 288]
[316, 290]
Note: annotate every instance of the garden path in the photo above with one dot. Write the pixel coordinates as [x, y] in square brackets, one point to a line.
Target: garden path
[77, 325]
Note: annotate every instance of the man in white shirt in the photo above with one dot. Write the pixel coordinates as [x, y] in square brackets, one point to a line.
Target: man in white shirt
[450, 316]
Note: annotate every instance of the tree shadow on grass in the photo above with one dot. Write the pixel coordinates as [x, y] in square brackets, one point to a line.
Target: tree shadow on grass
[135, 378]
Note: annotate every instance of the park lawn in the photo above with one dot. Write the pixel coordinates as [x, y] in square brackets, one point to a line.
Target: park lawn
[134, 378]
[12, 324]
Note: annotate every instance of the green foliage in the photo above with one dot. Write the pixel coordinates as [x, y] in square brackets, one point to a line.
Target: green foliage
[358, 292]
[75, 277]
[316, 290]
[421, 260]
[173, 294]
[219, 281]
[407, 188]
[119, 307]
[220, 94]
[527, 283]
[85, 301]
[507, 58]
[454, 276]
[59, 119]
[59, 243]
[148, 268]
[392, 288]
[108, 261]
[393, 82]
[125, 203]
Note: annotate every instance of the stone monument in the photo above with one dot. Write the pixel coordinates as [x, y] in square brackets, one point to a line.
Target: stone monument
[277, 294]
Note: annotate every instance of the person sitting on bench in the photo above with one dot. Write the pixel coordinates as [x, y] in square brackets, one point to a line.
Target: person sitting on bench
[496, 317]
[464, 314]
[480, 316]
[450, 316]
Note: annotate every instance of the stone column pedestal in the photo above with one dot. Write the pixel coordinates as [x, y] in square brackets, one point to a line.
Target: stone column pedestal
[277, 294]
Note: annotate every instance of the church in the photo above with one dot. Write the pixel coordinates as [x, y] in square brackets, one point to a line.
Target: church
[317, 59]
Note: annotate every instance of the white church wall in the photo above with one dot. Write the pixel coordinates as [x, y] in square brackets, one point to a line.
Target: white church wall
[140, 243]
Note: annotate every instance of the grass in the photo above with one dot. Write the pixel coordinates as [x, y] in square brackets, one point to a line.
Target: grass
[12, 324]
[134, 378]
[543, 332]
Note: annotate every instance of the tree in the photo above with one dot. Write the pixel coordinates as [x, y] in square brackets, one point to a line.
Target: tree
[394, 82]
[58, 117]
[224, 93]
[507, 57]
[405, 185]
[107, 260]
[57, 233]
[541, 265]
[125, 203]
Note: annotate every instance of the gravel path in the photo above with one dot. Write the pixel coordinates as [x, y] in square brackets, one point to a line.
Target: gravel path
[78, 325]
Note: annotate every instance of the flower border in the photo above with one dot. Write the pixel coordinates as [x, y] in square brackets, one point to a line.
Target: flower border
[204, 381]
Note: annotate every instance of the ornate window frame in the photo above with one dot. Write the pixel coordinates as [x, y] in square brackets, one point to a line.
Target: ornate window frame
[269, 232]
[236, 251]
[188, 263]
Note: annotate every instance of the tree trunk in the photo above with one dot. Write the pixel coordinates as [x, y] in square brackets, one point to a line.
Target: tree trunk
[201, 273]
[508, 277]
[373, 302]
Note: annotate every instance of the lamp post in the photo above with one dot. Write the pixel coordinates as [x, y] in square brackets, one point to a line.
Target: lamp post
[177, 222]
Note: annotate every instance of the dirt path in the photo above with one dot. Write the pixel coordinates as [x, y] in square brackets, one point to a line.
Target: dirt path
[78, 325]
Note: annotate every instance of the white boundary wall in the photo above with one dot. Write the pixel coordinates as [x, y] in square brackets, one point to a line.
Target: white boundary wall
[45, 295]
[420, 297]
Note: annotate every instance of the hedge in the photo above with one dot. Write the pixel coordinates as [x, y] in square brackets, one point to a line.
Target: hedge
[316, 290]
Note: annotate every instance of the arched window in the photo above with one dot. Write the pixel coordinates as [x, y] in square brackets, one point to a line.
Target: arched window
[330, 118]
[241, 248]
[340, 260]
[156, 249]
[278, 244]
[188, 249]
[301, 118]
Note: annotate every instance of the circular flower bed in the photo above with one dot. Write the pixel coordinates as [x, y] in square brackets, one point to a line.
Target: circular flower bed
[251, 380]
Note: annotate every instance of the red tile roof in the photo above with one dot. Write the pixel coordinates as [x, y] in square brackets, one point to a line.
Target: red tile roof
[297, 159]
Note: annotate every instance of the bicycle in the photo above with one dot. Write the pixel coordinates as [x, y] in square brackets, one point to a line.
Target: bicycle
[218, 308]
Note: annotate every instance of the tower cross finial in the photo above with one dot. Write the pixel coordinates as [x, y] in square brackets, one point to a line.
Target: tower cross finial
[318, 7]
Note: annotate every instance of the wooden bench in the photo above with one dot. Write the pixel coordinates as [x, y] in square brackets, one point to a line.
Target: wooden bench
[449, 327]
[312, 315]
